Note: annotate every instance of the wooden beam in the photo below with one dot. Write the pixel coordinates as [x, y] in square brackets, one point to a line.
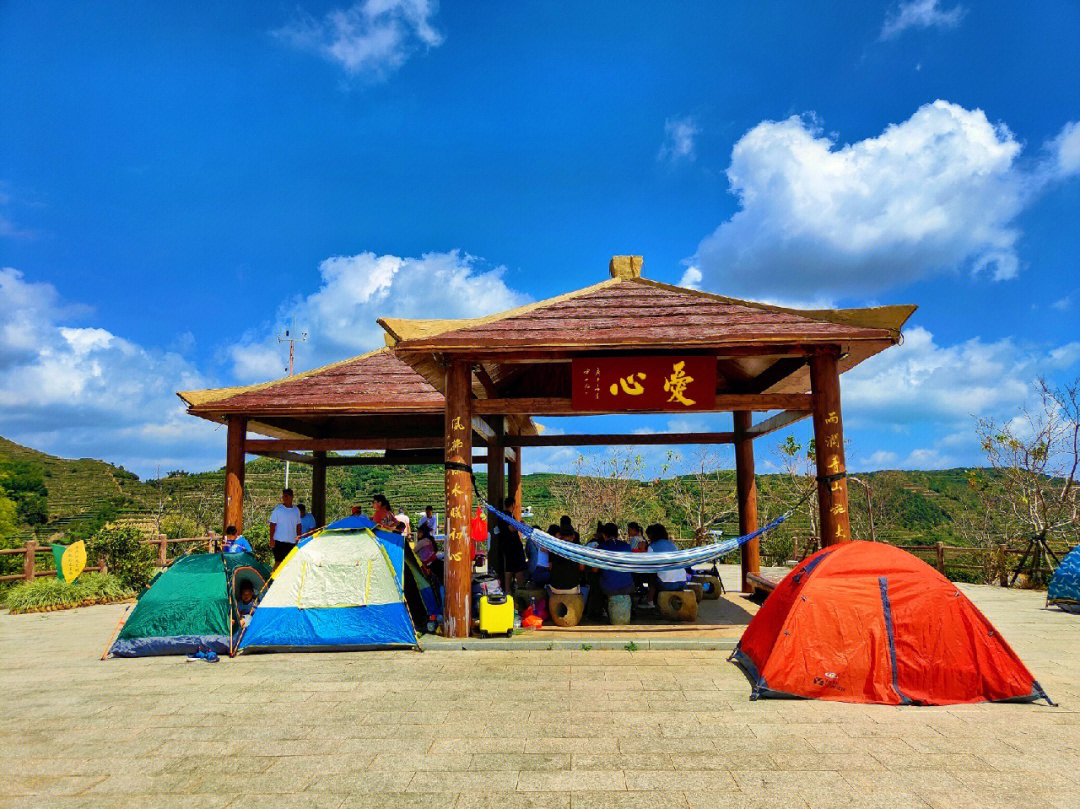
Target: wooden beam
[746, 489]
[829, 444]
[485, 379]
[318, 488]
[513, 487]
[457, 576]
[777, 422]
[724, 403]
[422, 459]
[258, 446]
[292, 457]
[586, 440]
[234, 473]
[496, 477]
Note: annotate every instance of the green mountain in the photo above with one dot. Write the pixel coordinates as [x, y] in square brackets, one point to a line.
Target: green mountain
[910, 506]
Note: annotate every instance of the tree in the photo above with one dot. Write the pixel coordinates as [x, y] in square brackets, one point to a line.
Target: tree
[704, 496]
[1037, 455]
[800, 473]
[8, 522]
[604, 488]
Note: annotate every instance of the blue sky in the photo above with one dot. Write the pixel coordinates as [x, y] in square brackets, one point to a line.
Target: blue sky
[177, 181]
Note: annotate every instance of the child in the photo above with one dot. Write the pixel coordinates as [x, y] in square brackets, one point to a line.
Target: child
[234, 543]
[245, 602]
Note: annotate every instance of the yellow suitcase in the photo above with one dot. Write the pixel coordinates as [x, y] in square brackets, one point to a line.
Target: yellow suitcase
[496, 615]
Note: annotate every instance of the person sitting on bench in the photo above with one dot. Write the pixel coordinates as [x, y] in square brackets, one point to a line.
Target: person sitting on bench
[663, 579]
[614, 582]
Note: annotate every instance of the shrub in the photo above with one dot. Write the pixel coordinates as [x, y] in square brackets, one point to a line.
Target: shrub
[121, 547]
[46, 594]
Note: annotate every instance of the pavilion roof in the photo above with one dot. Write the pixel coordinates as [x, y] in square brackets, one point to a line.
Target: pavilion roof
[760, 348]
[376, 384]
[640, 313]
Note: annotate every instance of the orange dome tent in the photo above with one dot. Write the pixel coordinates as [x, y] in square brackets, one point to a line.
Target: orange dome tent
[868, 622]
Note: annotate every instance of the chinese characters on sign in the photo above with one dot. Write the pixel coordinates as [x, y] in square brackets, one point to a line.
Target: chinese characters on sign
[614, 384]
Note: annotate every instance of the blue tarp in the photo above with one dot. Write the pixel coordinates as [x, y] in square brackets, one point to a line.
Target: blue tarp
[341, 628]
[1064, 589]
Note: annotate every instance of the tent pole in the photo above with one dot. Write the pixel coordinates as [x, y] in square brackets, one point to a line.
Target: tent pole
[458, 567]
[829, 443]
[746, 486]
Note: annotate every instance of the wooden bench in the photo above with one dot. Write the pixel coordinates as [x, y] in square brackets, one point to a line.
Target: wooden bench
[763, 585]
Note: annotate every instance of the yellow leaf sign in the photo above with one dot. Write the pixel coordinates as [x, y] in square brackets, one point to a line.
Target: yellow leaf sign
[73, 561]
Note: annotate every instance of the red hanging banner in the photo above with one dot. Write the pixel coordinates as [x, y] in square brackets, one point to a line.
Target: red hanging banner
[666, 384]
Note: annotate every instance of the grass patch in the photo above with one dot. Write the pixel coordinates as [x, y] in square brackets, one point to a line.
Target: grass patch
[631, 647]
[586, 646]
[48, 594]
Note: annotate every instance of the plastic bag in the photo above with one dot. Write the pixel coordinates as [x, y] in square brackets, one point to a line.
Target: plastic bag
[478, 528]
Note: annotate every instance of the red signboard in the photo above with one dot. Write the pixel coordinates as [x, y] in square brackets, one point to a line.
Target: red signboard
[613, 384]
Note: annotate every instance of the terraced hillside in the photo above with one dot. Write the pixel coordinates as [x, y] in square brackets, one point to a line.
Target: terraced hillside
[910, 507]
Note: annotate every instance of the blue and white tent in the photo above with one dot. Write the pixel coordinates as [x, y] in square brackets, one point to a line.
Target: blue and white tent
[338, 589]
[1064, 589]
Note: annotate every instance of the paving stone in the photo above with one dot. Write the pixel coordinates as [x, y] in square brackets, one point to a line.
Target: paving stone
[663, 727]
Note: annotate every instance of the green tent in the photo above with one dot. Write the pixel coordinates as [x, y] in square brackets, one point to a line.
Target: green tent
[190, 606]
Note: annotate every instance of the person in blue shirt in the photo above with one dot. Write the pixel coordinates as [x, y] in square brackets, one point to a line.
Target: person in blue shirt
[614, 582]
[307, 521]
[235, 543]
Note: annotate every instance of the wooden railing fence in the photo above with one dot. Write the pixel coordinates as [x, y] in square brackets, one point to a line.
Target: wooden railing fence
[32, 549]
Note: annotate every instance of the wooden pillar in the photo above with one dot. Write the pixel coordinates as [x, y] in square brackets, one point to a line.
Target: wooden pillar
[496, 465]
[746, 486]
[28, 560]
[513, 486]
[829, 444]
[234, 473]
[318, 487]
[457, 577]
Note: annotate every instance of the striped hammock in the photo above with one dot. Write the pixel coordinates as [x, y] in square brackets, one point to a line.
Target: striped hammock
[635, 562]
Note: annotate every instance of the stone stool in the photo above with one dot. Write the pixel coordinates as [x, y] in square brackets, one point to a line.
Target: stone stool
[618, 608]
[524, 597]
[712, 586]
[566, 609]
[678, 605]
[698, 588]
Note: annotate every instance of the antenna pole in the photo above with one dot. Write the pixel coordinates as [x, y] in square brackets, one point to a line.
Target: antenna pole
[291, 340]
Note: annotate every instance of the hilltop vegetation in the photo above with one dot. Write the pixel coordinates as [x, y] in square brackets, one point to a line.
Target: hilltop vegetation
[70, 499]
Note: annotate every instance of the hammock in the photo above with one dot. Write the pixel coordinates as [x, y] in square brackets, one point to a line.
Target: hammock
[636, 562]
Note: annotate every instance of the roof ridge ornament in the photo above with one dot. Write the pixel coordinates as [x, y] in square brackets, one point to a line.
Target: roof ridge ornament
[626, 268]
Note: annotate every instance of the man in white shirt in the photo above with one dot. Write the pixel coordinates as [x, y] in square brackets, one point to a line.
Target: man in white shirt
[403, 517]
[430, 520]
[284, 527]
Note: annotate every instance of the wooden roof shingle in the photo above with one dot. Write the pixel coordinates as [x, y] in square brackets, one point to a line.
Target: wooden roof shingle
[639, 313]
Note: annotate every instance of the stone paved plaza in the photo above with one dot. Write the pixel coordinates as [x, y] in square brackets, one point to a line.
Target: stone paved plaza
[509, 729]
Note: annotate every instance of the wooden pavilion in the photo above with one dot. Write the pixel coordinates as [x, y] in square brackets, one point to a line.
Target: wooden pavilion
[370, 402]
[626, 345]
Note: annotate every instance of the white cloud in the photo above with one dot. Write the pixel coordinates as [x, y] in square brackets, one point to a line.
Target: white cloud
[339, 317]
[944, 387]
[679, 140]
[935, 193]
[928, 458]
[1064, 152]
[920, 14]
[85, 392]
[882, 459]
[372, 38]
